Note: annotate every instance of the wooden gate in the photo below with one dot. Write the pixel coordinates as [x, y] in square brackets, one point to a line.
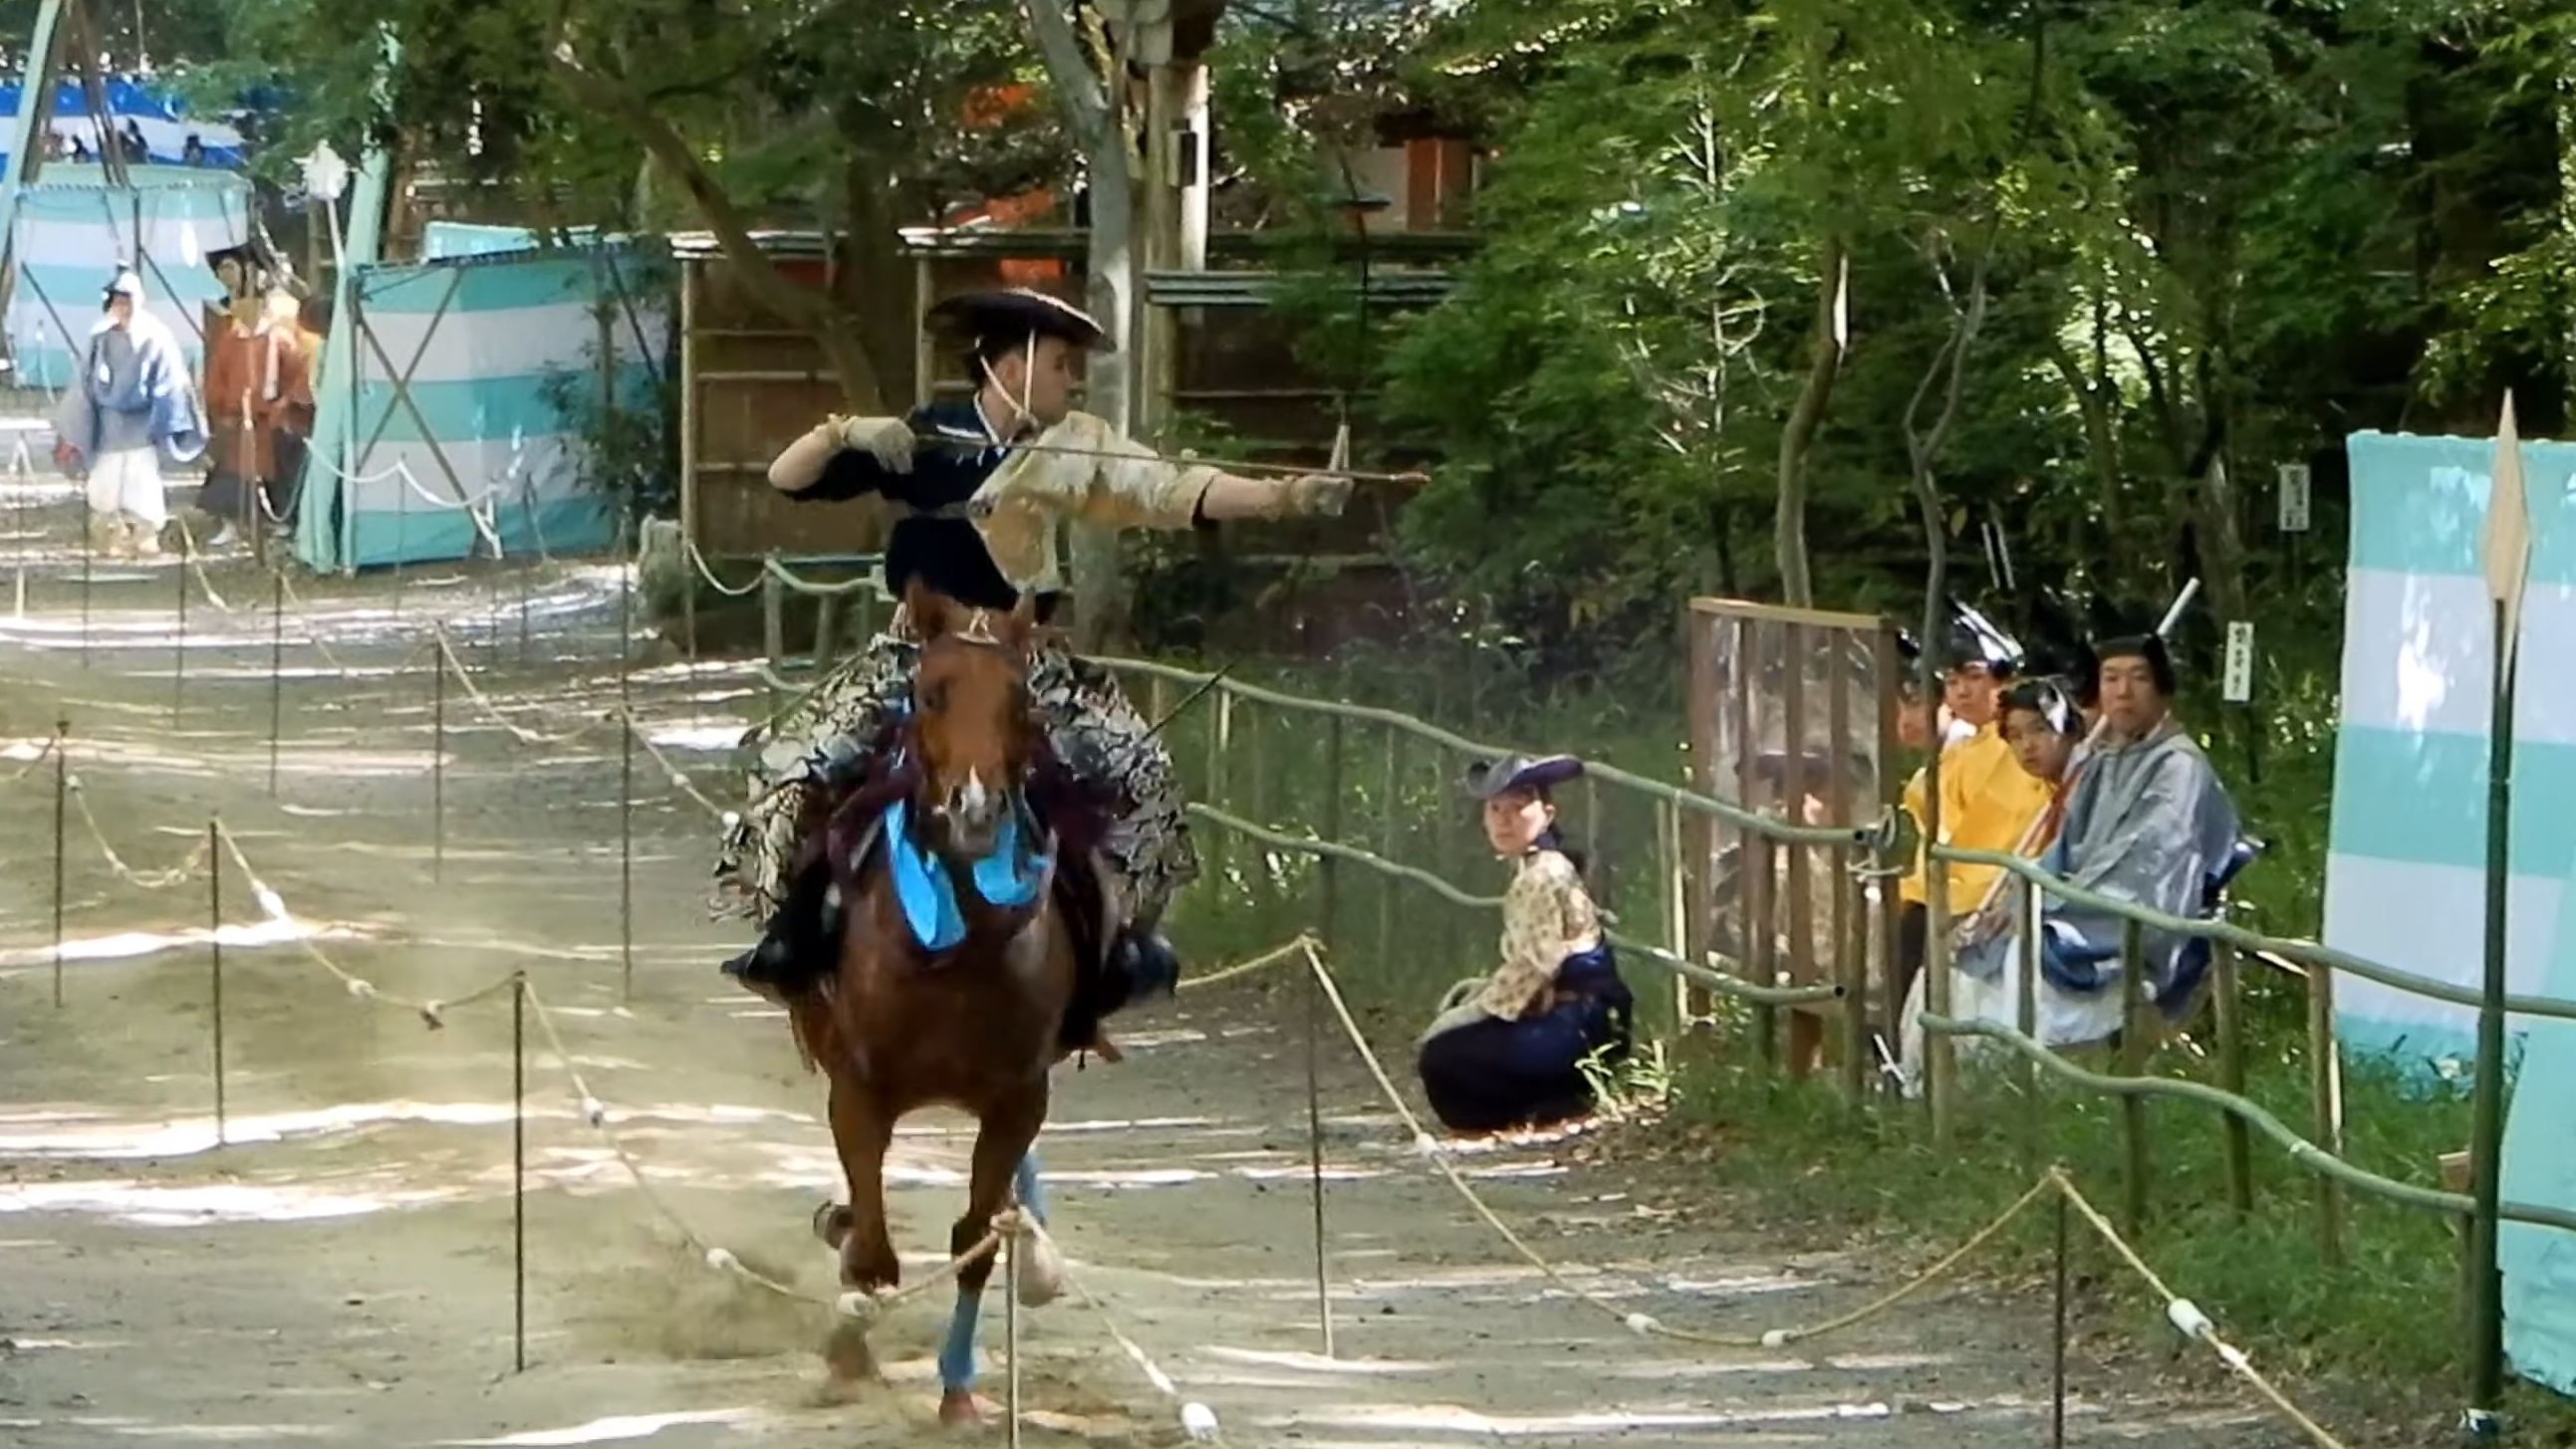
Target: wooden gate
[1792, 713]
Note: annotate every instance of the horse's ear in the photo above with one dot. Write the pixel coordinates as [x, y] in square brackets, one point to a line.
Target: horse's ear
[927, 607]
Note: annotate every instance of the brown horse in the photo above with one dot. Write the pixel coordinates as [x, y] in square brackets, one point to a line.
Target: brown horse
[965, 1010]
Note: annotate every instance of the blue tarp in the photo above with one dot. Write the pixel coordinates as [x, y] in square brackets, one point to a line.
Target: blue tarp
[161, 118]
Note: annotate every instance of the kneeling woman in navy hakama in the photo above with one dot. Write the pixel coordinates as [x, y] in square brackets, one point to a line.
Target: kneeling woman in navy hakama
[1507, 1049]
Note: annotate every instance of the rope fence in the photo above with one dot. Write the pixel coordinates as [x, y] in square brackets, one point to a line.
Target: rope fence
[150, 880]
[1874, 841]
[517, 731]
[2186, 1317]
[595, 1113]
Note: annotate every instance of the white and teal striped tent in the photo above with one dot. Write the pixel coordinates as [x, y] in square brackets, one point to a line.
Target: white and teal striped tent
[2406, 869]
[72, 231]
[472, 379]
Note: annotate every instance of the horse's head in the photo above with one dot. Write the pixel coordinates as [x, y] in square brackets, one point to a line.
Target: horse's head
[972, 725]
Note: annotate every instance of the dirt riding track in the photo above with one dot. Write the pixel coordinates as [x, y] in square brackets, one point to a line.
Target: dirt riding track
[340, 1272]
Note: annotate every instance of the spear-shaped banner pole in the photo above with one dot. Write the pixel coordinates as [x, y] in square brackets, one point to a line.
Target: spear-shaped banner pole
[2508, 565]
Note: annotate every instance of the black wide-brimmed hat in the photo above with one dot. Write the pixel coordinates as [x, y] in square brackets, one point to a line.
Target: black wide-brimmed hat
[252, 260]
[1487, 779]
[1011, 314]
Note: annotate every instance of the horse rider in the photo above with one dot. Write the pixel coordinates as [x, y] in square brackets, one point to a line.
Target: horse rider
[979, 485]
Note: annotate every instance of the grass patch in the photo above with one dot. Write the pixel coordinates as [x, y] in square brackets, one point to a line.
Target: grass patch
[2381, 1336]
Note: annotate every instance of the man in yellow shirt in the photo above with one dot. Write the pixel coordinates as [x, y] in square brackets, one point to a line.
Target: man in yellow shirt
[1987, 799]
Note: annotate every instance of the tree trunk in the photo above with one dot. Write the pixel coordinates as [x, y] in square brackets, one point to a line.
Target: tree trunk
[2101, 437]
[1098, 112]
[1824, 361]
[2222, 542]
[796, 305]
[875, 284]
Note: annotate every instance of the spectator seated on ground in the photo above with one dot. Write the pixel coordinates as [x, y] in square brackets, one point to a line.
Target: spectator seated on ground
[1507, 1050]
[2145, 821]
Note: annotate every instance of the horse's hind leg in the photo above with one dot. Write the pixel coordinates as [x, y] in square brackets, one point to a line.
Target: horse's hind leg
[1001, 1145]
[862, 1129]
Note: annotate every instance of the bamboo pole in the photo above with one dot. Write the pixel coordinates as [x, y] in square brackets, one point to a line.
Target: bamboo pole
[2134, 1007]
[276, 668]
[215, 958]
[688, 569]
[626, 766]
[519, 1172]
[1329, 868]
[2034, 904]
[438, 755]
[773, 623]
[2230, 1005]
[2486, 1151]
[2325, 1096]
[2057, 1348]
[1388, 782]
[179, 646]
[89, 553]
[1220, 759]
[62, 793]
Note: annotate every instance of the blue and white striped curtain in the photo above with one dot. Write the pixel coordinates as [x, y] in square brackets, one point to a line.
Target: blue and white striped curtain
[2406, 872]
[72, 233]
[457, 414]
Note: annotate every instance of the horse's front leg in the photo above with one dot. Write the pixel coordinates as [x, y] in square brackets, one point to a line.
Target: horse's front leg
[862, 1129]
[1041, 1267]
[1001, 1146]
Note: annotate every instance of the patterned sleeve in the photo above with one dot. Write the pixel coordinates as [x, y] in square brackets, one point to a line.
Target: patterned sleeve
[1547, 916]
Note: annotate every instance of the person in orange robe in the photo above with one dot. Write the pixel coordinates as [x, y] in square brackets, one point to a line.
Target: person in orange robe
[259, 394]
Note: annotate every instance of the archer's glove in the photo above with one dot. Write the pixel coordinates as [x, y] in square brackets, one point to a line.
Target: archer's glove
[888, 440]
[1316, 495]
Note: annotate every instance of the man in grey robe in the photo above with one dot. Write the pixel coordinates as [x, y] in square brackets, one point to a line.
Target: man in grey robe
[2146, 822]
[132, 408]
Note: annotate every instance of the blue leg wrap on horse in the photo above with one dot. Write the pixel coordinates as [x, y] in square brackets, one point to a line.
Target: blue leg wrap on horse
[1024, 1181]
[957, 1351]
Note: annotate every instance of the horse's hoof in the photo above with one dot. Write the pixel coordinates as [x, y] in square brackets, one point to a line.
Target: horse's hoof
[960, 1409]
[846, 1355]
[831, 1223]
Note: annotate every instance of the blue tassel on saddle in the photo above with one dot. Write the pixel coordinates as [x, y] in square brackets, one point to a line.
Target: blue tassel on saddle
[1009, 877]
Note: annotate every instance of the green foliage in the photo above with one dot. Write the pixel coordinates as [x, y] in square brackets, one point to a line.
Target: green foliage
[792, 105]
[630, 450]
[2223, 231]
